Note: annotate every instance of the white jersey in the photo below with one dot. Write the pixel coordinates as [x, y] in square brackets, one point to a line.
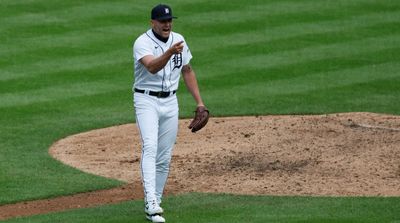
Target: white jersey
[167, 79]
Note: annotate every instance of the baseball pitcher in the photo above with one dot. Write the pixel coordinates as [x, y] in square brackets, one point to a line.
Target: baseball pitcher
[160, 57]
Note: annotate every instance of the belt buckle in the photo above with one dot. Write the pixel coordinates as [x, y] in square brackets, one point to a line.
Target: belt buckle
[159, 94]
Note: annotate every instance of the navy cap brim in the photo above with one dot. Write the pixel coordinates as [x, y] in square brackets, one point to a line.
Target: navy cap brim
[165, 17]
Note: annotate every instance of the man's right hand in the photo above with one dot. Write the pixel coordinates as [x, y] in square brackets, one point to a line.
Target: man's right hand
[176, 48]
[153, 65]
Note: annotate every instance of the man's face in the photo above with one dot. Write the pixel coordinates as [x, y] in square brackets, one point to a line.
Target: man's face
[162, 27]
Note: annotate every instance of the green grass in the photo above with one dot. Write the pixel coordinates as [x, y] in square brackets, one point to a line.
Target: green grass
[66, 67]
[211, 208]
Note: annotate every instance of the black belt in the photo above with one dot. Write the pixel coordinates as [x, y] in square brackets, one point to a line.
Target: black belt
[158, 94]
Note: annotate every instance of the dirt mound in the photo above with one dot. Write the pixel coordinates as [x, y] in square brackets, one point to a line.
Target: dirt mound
[337, 154]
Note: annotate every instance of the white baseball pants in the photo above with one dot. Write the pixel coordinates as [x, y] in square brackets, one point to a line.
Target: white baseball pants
[157, 120]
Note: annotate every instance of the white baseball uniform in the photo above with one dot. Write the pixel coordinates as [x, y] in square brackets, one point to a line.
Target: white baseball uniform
[156, 108]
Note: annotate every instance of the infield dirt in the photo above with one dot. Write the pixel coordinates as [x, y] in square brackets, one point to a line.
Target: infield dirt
[337, 154]
[348, 154]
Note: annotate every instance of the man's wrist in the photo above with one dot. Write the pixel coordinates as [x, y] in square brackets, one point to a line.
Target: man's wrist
[169, 52]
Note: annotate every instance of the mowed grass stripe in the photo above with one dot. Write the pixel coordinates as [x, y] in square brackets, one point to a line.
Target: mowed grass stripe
[22, 40]
[290, 74]
[58, 92]
[216, 15]
[53, 77]
[324, 80]
[275, 85]
[54, 41]
[311, 53]
[15, 71]
[86, 44]
[70, 85]
[73, 15]
[378, 96]
[301, 42]
[65, 29]
[12, 9]
[117, 72]
[93, 38]
[293, 30]
[81, 17]
[273, 10]
[97, 18]
[82, 12]
[299, 70]
[261, 21]
[61, 27]
[384, 93]
[101, 108]
[91, 42]
[71, 64]
[36, 96]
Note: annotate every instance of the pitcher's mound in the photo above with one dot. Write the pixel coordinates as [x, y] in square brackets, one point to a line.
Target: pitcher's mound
[337, 154]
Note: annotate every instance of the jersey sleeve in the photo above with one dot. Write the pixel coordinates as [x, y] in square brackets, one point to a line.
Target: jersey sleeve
[141, 48]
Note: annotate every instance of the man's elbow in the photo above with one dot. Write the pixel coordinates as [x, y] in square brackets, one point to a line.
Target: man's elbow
[148, 63]
[152, 69]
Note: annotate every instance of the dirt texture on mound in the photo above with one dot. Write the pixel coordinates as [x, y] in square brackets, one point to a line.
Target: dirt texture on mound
[336, 154]
[355, 154]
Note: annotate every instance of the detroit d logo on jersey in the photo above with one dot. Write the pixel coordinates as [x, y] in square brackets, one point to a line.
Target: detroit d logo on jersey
[177, 60]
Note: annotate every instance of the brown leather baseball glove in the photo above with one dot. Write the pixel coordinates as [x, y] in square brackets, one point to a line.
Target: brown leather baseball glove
[200, 119]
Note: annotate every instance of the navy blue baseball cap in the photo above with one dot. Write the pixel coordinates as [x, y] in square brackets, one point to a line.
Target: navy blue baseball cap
[162, 12]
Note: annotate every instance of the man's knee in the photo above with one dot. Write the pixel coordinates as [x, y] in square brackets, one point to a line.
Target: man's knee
[162, 165]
